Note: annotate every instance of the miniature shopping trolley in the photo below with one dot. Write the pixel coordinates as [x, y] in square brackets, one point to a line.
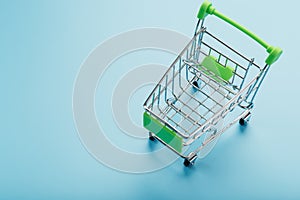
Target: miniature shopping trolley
[208, 88]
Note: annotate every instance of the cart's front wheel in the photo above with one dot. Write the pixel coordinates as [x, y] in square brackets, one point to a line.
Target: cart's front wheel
[151, 137]
[187, 163]
[190, 160]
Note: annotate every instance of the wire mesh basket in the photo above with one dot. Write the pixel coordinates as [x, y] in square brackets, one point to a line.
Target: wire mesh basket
[208, 88]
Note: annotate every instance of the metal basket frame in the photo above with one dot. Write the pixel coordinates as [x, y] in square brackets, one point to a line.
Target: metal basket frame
[178, 89]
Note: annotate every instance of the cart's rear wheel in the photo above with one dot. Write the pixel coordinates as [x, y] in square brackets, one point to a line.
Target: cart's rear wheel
[243, 122]
[196, 84]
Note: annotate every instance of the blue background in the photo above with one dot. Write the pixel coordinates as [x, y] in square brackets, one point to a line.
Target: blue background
[43, 44]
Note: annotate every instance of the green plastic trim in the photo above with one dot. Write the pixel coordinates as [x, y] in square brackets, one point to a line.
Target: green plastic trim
[211, 63]
[163, 132]
[203, 12]
[274, 52]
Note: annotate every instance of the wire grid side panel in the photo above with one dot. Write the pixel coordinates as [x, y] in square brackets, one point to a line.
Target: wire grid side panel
[186, 108]
[243, 68]
[182, 105]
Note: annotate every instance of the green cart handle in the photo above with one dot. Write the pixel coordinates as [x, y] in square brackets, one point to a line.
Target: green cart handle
[274, 52]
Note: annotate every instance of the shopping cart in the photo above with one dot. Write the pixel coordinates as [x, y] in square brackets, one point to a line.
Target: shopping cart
[208, 88]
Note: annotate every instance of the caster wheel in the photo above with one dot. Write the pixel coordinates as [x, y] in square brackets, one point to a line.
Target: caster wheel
[187, 163]
[190, 160]
[243, 122]
[152, 138]
[196, 85]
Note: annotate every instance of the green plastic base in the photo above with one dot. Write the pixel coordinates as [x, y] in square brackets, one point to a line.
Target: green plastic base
[163, 132]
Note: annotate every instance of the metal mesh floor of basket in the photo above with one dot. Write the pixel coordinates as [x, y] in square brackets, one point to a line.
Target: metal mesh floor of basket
[208, 88]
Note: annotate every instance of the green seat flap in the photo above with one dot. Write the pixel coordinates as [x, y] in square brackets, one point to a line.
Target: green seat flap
[211, 63]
